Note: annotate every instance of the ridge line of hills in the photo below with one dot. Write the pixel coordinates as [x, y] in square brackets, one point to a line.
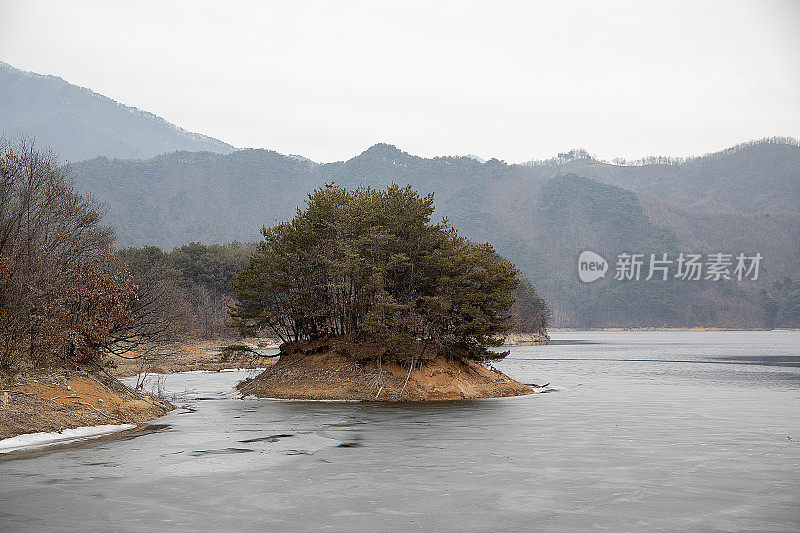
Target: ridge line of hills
[78, 123]
[539, 216]
[168, 187]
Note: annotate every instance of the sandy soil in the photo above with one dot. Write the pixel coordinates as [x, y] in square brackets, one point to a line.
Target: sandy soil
[204, 355]
[328, 374]
[56, 400]
[200, 355]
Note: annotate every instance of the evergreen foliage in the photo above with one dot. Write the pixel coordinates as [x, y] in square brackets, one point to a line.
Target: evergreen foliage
[197, 279]
[369, 264]
[539, 216]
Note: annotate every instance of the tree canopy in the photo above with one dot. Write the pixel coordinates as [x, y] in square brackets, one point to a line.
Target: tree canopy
[369, 264]
[63, 294]
[195, 279]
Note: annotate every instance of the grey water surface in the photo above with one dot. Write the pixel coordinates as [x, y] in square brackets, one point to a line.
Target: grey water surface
[638, 431]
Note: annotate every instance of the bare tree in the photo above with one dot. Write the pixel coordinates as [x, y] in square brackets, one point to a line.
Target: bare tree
[63, 293]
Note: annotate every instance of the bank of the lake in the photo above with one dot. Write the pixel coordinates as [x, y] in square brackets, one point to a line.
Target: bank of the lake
[211, 354]
[199, 354]
[55, 400]
[648, 431]
[330, 375]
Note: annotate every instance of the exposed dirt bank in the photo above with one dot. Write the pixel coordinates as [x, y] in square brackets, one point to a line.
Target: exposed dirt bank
[208, 355]
[200, 355]
[329, 374]
[526, 339]
[58, 400]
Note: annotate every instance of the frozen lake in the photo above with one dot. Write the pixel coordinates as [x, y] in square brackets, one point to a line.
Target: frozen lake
[643, 431]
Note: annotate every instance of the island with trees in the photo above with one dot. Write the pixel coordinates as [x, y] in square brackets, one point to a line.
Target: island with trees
[366, 297]
[372, 301]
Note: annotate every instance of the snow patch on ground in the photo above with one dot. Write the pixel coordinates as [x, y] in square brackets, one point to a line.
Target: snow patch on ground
[37, 440]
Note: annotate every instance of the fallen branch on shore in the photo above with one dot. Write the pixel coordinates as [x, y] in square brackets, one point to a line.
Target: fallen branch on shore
[96, 410]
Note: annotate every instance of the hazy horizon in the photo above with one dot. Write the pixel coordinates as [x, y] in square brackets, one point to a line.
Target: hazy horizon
[508, 81]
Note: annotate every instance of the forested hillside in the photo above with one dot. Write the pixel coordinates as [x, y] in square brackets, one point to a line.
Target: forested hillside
[539, 215]
[78, 123]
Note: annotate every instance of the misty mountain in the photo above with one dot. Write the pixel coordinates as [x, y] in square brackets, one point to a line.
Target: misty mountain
[80, 124]
[540, 215]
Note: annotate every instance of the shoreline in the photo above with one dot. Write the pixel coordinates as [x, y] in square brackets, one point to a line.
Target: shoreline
[45, 439]
[197, 355]
[57, 400]
[207, 355]
[328, 370]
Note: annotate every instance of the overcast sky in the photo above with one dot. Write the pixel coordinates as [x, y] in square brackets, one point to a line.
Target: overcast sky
[512, 80]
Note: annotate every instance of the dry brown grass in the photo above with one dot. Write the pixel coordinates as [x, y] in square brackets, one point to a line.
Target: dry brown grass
[57, 399]
[200, 355]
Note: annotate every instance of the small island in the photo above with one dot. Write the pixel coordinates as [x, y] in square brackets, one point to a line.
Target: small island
[374, 302]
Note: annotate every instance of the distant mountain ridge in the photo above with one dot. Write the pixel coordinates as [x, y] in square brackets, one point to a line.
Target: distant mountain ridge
[166, 186]
[79, 124]
[539, 216]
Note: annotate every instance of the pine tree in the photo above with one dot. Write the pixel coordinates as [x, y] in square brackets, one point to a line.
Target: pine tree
[369, 264]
